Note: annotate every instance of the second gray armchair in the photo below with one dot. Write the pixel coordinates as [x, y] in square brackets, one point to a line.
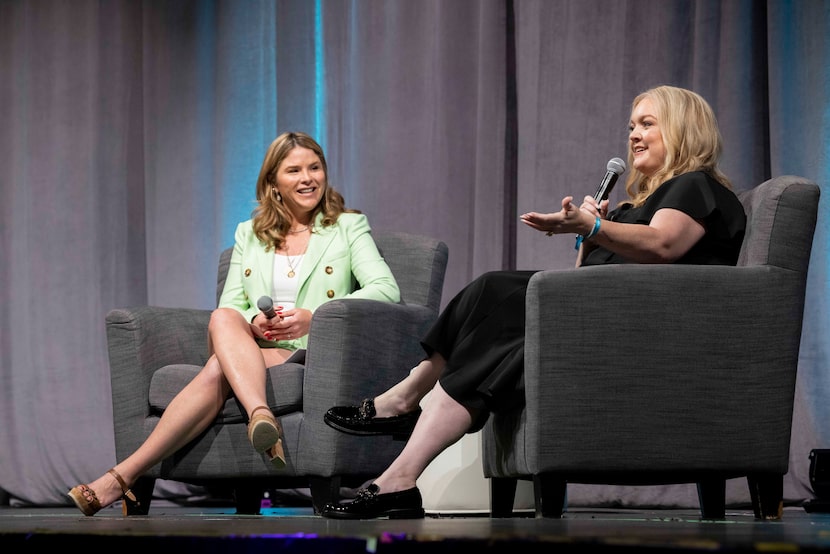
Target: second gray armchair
[676, 374]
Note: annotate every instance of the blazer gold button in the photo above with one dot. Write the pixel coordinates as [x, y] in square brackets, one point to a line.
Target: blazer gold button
[329, 269]
[248, 272]
[330, 293]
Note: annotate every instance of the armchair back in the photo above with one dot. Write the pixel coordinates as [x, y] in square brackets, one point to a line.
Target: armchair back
[780, 223]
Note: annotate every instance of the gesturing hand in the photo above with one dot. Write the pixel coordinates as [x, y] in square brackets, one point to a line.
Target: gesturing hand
[570, 219]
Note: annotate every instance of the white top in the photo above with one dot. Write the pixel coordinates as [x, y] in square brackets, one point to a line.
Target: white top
[284, 288]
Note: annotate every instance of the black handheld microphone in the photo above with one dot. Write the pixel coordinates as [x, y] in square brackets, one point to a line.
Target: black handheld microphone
[614, 169]
[266, 306]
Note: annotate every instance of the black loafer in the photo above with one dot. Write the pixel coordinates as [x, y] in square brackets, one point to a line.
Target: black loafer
[361, 420]
[370, 504]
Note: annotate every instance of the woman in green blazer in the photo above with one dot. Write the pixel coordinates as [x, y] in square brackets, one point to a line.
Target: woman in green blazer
[302, 247]
[337, 258]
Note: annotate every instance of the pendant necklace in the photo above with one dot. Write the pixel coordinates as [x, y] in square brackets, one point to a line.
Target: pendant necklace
[294, 263]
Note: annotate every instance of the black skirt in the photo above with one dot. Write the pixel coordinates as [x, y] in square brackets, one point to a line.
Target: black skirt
[481, 334]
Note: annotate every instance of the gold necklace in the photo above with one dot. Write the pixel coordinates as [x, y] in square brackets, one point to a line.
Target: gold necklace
[293, 264]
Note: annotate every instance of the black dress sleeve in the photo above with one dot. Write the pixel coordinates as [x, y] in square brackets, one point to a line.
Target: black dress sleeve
[701, 197]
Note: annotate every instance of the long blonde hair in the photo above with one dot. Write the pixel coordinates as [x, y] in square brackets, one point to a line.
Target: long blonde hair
[691, 137]
[271, 220]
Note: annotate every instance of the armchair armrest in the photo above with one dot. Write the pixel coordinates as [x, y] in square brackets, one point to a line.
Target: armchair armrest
[140, 341]
[658, 348]
[356, 348]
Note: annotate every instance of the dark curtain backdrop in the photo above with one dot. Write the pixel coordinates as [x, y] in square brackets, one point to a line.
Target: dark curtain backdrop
[131, 135]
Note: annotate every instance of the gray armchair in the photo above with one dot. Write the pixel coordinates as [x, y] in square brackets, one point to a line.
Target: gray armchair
[354, 345]
[670, 374]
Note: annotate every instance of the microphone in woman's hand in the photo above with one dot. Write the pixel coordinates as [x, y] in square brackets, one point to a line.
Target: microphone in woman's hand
[614, 169]
[266, 306]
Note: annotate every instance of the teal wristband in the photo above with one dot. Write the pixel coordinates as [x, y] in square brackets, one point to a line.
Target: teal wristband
[594, 231]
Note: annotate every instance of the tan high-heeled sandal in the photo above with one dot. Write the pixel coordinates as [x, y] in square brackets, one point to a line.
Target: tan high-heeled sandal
[87, 501]
[265, 434]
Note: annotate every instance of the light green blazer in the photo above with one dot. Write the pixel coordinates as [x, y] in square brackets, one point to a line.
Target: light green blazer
[342, 261]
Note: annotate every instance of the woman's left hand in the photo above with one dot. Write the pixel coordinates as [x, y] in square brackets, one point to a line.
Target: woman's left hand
[295, 323]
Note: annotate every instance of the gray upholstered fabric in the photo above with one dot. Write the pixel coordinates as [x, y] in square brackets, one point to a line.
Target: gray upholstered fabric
[355, 347]
[420, 283]
[283, 387]
[671, 373]
[783, 241]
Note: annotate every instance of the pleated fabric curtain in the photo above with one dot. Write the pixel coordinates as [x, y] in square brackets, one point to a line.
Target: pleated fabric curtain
[133, 131]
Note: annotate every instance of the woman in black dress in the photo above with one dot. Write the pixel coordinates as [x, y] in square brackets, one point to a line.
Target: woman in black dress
[680, 209]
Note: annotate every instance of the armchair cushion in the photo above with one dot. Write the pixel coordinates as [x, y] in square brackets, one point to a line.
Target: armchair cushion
[283, 388]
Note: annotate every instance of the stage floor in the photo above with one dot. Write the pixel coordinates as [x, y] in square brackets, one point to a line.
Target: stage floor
[208, 530]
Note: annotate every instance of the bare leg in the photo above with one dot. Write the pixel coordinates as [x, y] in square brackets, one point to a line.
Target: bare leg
[241, 359]
[406, 395]
[189, 413]
[238, 364]
[442, 423]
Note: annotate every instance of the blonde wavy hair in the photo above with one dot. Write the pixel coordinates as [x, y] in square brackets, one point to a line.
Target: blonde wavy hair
[271, 220]
[691, 137]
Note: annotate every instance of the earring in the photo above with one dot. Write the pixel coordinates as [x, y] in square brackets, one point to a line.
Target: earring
[279, 196]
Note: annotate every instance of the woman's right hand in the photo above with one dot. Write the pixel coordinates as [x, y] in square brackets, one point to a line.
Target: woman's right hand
[597, 209]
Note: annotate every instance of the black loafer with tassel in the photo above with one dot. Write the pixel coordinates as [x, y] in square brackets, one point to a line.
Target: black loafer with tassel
[361, 420]
[370, 504]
